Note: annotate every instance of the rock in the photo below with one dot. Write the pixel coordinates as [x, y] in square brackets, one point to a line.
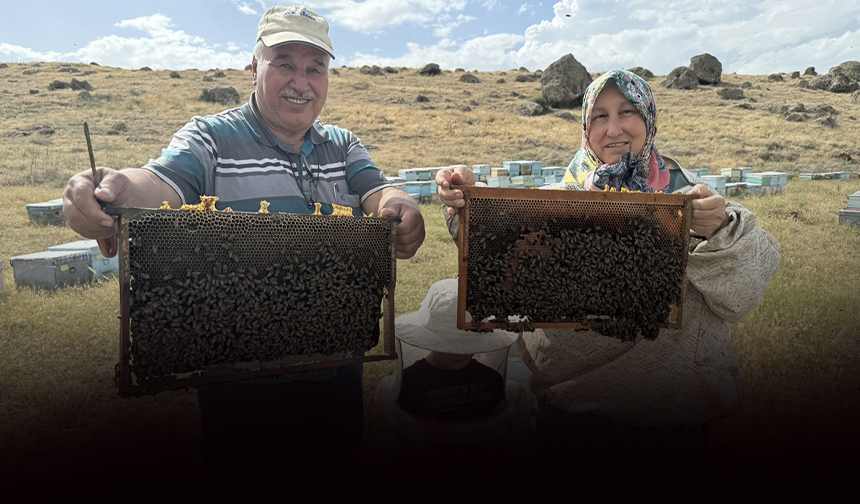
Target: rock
[795, 117]
[466, 92]
[835, 82]
[856, 96]
[175, 75]
[459, 70]
[67, 69]
[781, 109]
[77, 85]
[422, 99]
[822, 110]
[810, 71]
[745, 106]
[3, 65]
[370, 70]
[206, 78]
[827, 122]
[473, 103]
[803, 83]
[564, 82]
[58, 85]
[93, 63]
[529, 109]
[31, 71]
[46, 130]
[224, 96]
[795, 75]
[707, 68]
[850, 69]
[120, 126]
[514, 94]
[34, 91]
[465, 108]
[775, 77]
[642, 72]
[333, 71]
[401, 101]
[390, 70]
[219, 74]
[681, 78]
[85, 96]
[500, 81]
[746, 85]
[469, 78]
[731, 93]
[532, 77]
[249, 67]
[523, 69]
[798, 108]
[567, 116]
[430, 69]
[143, 69]
[361, 85]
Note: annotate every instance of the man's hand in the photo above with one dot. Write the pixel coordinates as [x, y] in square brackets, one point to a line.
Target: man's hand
[708, 212]
[410, 231]
[126, 188]
[445, 178]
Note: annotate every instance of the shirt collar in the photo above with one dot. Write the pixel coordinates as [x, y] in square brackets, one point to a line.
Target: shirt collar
[316, 133]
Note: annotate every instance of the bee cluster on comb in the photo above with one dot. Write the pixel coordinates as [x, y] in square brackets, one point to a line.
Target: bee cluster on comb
[211, 288]
[615, 265]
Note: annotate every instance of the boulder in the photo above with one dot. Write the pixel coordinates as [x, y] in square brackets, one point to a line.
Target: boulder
[390, 70]
[564, 82]
[175, 75]
[850, 69]
[248, 67]
[500, 81]
[835, 82]
[422, 99]
[798, 108]
[143, 69]
[731, 93]
[3, 65]
[219, 74]
[567, 116]
[529, 109]
[371, 70]
[810, 71]
[681, 78]
[333, 71]
[34, 91]
[532, 77]
[826, 121]
[458, 70]
[803, 83]
[469, 78]
[707, 68]
[58, 85]
[795, 117]
[224, 96]
[642, 72]
[775, 77]
[856, 96]
[746, 85]
[430, 69]
[795, 75]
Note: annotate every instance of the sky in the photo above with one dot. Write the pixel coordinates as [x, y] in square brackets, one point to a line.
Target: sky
[747, 36]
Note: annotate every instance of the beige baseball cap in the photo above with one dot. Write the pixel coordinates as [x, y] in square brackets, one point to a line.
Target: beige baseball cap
[280, 25]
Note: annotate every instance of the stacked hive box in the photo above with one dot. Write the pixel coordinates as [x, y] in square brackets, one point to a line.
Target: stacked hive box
[48, 212]
[98, 265]
[51, 269]
[840, 175]
[851, 215]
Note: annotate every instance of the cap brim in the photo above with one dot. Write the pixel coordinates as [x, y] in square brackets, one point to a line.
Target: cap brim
[410, 329]
[288, 37]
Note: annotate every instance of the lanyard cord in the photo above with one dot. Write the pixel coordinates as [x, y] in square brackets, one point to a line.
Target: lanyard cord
[300, 181]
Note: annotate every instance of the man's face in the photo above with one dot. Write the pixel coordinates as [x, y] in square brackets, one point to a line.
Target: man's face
[291, 84]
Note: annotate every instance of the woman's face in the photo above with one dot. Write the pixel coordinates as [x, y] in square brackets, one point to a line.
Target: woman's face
[616, 126]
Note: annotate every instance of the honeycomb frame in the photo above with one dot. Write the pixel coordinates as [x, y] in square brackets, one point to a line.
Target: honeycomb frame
[528, 222]
[276, 260]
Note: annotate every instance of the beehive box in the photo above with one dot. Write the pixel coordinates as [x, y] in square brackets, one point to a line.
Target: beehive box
[98, 265]
[51, 269]
[48, 212]
[209, 297]
[854, 200]
[605, 260]
[850, 217]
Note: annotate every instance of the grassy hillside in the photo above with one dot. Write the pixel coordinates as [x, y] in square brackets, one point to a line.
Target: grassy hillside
[799, 349]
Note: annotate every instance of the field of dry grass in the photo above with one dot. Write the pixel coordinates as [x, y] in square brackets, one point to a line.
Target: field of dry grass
[799, 349]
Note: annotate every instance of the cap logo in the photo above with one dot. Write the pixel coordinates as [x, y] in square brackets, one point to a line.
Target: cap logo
[302, 13]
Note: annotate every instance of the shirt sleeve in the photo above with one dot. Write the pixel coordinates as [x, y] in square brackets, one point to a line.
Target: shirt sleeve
[183, 165]
[362, 175]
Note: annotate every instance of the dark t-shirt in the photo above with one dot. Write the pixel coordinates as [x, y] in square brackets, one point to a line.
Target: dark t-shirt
[450, 395]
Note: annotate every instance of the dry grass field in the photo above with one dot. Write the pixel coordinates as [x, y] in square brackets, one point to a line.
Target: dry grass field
[61, 420]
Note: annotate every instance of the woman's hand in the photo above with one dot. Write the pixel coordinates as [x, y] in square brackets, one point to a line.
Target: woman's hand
[708, 212]
[455, 175]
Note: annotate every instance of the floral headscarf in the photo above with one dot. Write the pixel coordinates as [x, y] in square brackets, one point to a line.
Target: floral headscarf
[634, 169]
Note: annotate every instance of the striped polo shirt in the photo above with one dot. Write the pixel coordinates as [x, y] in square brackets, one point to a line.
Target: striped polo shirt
[234, 156]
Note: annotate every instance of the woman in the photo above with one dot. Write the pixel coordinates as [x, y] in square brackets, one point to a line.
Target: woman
[613, 399]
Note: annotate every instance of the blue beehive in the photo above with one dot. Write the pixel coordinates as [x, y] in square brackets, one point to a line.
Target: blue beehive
[51, 269]
[513, 168]
[48, 212]
[98, 264]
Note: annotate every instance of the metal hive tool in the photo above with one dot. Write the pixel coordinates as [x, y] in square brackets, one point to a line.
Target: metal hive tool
[205, 297]
[613, 261]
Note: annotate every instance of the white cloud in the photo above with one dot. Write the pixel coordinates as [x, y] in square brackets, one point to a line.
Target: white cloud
[491, 4]
[375, 15]
[527, 8]
[163, 48]
[244, 8]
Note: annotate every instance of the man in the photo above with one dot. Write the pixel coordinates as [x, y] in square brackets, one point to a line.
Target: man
[272, 148]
